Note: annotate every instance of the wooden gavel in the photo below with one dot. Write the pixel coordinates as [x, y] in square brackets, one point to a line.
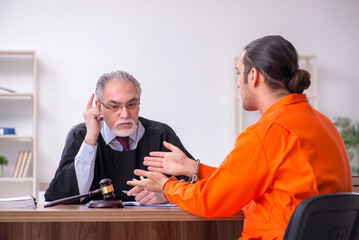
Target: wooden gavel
[106, 190]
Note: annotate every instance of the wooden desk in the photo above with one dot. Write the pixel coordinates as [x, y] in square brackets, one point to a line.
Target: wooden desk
[79, 222]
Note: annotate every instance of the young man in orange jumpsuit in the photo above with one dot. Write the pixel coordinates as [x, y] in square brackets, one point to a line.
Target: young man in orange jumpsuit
[293, 151]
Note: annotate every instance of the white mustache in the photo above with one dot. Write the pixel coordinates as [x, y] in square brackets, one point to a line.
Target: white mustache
[124, 133]
[125, 121]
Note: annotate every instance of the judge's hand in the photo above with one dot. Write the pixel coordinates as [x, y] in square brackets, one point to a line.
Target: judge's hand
[174, 162]
[92, 116]
[147, 197]
[152, 181]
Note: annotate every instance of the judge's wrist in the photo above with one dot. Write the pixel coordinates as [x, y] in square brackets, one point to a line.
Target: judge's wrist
[91, 140]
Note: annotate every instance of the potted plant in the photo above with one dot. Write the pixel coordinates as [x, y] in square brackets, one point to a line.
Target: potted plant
[3, 162]
[350, 134]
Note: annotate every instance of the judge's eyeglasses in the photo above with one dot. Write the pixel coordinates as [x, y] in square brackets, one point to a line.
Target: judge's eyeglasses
[115, 107]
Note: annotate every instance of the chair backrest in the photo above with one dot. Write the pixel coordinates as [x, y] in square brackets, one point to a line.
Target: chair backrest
[355, 180]
[325, 217]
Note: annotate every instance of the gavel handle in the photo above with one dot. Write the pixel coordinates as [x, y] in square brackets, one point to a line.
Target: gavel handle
[70, 199]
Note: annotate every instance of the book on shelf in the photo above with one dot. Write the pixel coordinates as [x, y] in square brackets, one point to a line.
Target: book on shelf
[22, 164]
[27, 165]
[7, 131]
[18, 202]
[18, 163]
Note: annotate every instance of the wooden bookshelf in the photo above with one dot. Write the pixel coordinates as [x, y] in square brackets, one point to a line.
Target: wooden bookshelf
[18, 110]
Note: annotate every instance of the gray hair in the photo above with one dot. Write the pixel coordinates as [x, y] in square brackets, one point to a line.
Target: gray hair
[117, 76]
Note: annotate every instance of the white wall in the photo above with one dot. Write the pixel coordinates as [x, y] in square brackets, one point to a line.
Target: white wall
[181, 51]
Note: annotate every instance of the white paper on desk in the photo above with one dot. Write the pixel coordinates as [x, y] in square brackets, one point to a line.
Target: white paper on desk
[137, 203]
[18, 202]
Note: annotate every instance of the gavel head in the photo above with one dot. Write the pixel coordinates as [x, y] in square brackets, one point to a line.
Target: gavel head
[107, 189]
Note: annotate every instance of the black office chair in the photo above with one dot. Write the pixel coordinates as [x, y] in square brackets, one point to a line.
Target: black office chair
[325, 217]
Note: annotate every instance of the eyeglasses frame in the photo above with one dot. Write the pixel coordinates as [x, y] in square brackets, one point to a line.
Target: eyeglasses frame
[121, 106]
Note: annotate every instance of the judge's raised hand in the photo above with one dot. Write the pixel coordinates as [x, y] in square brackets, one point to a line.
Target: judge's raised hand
[174, 162]
[153, 181]
[92, 116]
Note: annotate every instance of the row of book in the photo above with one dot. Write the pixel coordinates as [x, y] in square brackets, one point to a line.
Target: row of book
[22, 164]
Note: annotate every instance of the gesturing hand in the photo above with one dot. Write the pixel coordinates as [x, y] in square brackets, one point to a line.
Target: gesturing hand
[153, 182]
[92, 116]
[147, 197]
[174, 162]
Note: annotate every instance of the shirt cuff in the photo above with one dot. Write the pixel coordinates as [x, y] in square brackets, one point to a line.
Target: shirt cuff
[87, 152]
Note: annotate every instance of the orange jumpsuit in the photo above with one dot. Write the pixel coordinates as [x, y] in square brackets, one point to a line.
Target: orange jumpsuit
[291, 153]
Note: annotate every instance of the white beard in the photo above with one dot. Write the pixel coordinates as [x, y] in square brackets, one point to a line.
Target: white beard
[124, 132]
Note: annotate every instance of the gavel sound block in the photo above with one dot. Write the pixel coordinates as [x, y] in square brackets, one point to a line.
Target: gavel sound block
[107, 192]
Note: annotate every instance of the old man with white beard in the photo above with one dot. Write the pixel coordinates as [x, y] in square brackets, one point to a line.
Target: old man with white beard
[111, 143]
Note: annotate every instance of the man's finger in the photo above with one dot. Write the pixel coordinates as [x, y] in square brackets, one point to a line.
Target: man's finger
[141, 195]
[170, 146]
[146, 198]
[150, 201]
[152, 163]
[133, 191]
[157, 154]
[89, 103]
[153, 159]
[142, 173]
[135, 183]
[155, 169]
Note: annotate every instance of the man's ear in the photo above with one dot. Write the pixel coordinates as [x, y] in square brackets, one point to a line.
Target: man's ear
[253, 77]
[98, 104]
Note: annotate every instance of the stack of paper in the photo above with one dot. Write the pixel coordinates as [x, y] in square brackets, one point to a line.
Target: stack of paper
[18, 202]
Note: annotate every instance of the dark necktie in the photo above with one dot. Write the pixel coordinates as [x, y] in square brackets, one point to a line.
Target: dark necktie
[124, 143]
